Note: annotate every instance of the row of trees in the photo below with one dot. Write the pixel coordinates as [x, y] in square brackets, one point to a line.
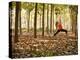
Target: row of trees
[29, 7]
[39, 9]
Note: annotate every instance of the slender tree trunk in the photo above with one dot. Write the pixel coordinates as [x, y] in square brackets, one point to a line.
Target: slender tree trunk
[71, 18]
[75, 23]
[76, 32]
[74, 19]
[53, 17]
[28, 20]
[51, 20]
[76, 14]
[40, 21]
[16, 21]
[43, 20]
[31, 23]
[47, 17]
[20, 17]
[35, 21]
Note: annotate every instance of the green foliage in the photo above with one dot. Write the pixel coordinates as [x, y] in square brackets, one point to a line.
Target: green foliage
[40, 6]
[13, 5]
[28, 6]
[74, 8]
[60, 8]
[24, 5]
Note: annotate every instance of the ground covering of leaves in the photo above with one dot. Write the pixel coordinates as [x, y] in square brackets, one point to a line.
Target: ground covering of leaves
[49, 45]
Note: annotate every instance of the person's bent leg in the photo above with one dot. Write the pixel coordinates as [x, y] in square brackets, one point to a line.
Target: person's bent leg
[57, 32]
[64, 30]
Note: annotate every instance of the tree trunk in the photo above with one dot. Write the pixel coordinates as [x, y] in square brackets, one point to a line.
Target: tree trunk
[47, 17]
[71, 18]
[43, 20]
[53, 17]
[74, 19]
[16, 21]
[35, 21]
[31, 23]
[51, 20]
[40, 21]
[76, 29]
[76, 14]
[28, 21]
[20, 17]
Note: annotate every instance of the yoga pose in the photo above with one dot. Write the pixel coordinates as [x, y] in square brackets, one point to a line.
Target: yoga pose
[59, 28]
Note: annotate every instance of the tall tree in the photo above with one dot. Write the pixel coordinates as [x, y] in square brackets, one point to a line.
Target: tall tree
[51, 20]
[76, 25]
[19, 17]
[31, 22]
[74, 12]
[28, 7]
[53, 17]
[28, 21]
[40, 19]
[40, 12]
[43, 20]
[47, 17]
[35, 21]
[16, 21]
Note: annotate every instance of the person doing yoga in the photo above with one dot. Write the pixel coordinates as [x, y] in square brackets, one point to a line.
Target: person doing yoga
[59, 28]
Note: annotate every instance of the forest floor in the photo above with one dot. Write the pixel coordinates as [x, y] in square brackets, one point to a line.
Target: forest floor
[49, 45]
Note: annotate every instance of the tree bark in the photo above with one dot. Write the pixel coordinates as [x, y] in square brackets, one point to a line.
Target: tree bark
[47, 18]
[40, 21]
[35, 21]
[51, 20]
[20, 17]
[74, 18]
[53, 17]
[28, 21]
[43, 20]
[16, 22]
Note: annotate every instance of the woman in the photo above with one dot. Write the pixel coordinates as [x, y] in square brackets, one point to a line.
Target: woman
[59, 28]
